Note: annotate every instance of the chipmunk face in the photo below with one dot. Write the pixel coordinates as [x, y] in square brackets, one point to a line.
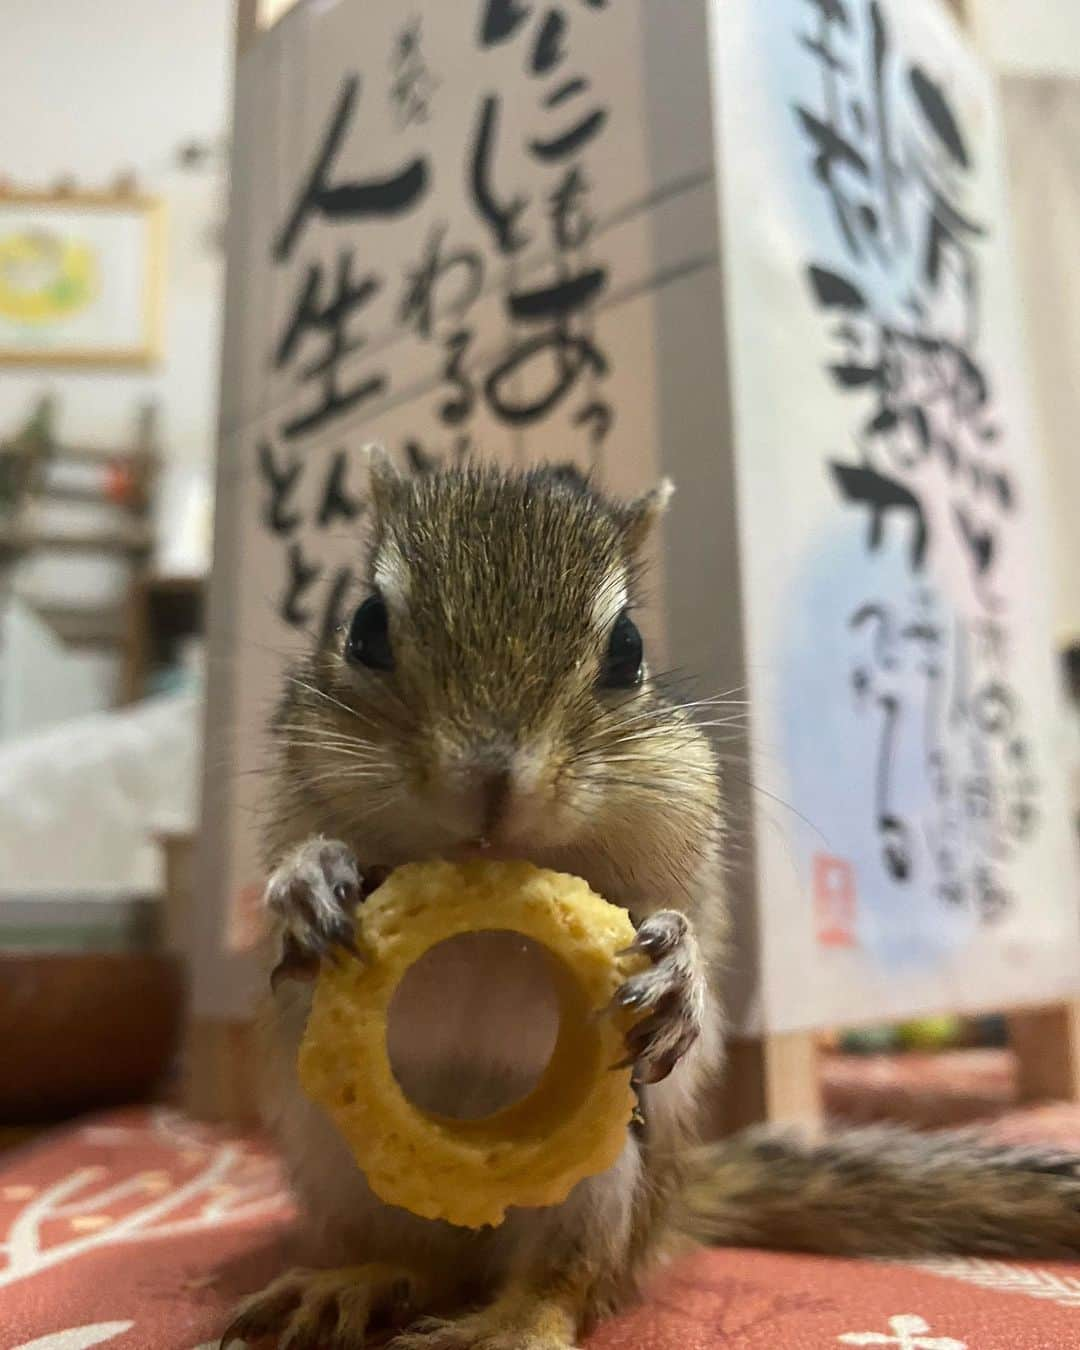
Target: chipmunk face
[492, 691]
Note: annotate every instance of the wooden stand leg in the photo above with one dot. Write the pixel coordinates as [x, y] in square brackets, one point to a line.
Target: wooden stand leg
[775, 1080]
[1046, 1042]
[219, 1072]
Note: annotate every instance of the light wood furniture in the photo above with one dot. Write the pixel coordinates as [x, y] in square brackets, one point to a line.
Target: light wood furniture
[218, 1060]
[776, 1078]
[1047, 1045]
[219, 1072]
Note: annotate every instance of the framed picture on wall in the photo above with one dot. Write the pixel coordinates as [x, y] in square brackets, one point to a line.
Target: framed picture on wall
[80, 278]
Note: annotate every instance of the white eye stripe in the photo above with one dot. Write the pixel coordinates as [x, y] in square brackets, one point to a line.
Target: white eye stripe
[611, 599]
[392, 580]
[392, 576]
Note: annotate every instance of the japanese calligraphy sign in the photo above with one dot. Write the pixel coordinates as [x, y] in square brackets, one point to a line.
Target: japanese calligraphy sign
[899, 647]
[443, 238]
[763, 248]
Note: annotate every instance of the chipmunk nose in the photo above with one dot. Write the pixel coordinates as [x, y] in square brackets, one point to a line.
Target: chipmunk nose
[488, 781]
[492, 786]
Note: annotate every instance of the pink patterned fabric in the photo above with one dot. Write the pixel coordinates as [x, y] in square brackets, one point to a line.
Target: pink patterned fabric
[138, 1231]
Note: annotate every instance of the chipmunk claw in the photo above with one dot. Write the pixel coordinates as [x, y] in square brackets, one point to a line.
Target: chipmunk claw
[659, 934]
[325, 1309]
[493, 1328]
[314, 894]
[669, 993]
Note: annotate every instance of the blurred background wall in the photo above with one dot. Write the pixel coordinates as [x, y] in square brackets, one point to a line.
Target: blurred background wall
[93, 96]
[89, 92]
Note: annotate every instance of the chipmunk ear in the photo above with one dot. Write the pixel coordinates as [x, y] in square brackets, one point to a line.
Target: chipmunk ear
[639, 517]
[383, 476]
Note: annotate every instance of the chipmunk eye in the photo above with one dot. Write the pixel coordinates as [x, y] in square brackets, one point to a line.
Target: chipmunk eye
[624, 663]
[368, 642]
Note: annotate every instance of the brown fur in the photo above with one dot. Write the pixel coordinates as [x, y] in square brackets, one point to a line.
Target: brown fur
[884, 1191]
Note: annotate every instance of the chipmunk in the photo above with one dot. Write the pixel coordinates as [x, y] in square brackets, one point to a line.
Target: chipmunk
[491, 693]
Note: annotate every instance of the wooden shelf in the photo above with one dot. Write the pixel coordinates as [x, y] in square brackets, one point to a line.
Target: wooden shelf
[132, 538]
[91, 493]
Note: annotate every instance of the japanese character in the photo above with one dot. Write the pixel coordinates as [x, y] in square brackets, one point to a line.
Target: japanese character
[330, 321]
[599, 416]
[302, 576]
[337, 503]
[571, 223]
[566, 296]
[456, 409]
[503, 216]
[282, 483]
[572, 356]
[566, 142]
[413, 83]
[864, 485]
[391, 195]
[419, 307]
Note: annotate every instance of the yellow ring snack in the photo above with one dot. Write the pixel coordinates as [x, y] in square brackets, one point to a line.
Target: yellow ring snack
[571, 1126]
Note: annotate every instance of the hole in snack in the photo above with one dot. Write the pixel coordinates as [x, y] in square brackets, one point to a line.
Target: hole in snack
[473, 1024]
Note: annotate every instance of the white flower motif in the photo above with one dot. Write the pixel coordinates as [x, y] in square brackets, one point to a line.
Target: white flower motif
[226, 1190]
[78, 1338]
[1008, 1278]
[908, 1334]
